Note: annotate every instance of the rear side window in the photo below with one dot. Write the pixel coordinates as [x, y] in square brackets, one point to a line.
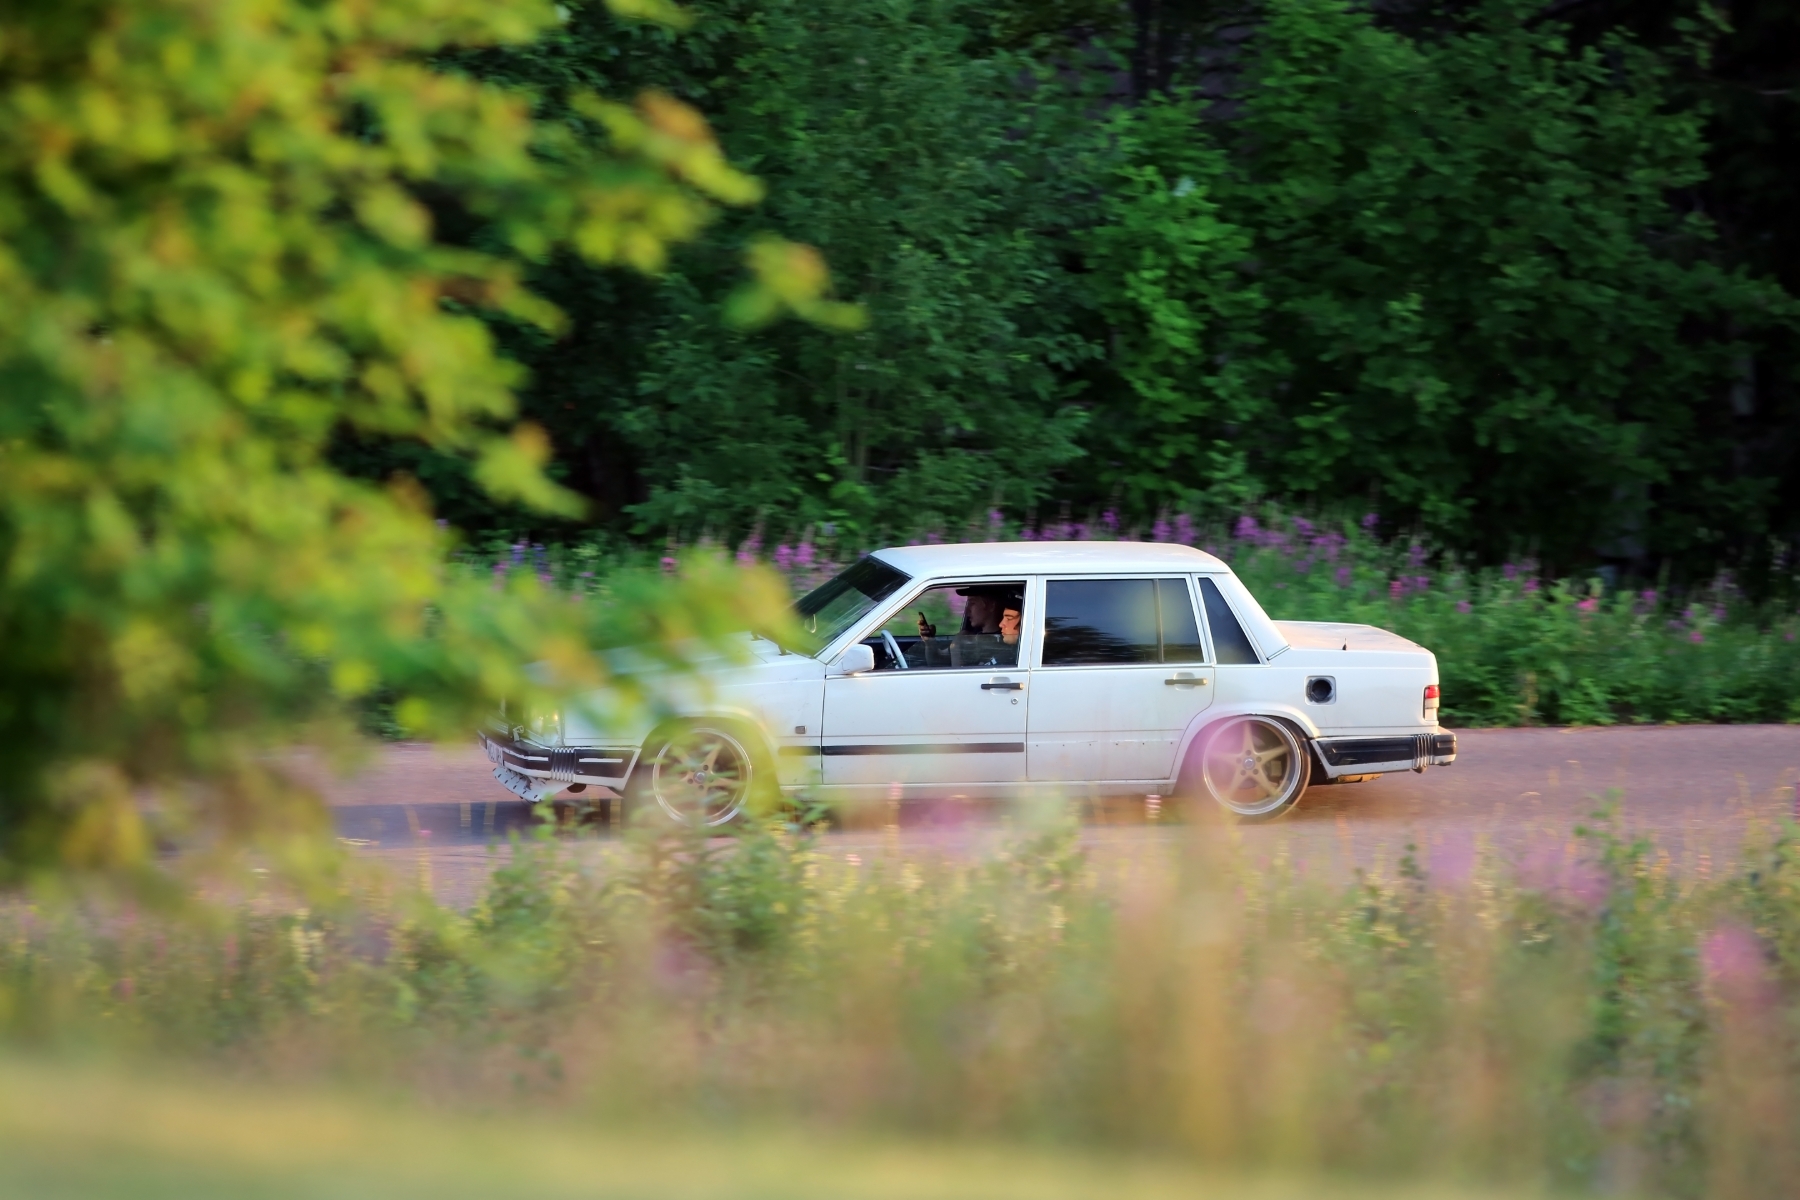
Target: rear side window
[1228, 636]
[1088, 621]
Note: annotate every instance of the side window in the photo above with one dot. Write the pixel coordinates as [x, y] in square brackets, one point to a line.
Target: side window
[1228, 636]
[1100, 621]
[1180, 632]
[957, 625]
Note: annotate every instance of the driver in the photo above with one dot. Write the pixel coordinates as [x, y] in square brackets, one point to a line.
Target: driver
[990, 632]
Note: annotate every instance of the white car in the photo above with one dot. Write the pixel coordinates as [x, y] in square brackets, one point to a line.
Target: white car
[989, 669]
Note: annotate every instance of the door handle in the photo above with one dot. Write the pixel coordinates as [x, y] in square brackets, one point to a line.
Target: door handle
[1002, 687]
[1186, 681]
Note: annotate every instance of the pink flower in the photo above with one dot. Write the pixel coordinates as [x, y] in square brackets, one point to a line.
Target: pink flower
[1696, 637]
[1396, 589]
[1531, 585]
[803, 555]
[668, 565]
[1588, 605]
[1735, 965]
[784, 557]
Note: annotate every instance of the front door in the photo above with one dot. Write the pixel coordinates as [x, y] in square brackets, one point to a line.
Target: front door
[1122, 674]
[948, 703]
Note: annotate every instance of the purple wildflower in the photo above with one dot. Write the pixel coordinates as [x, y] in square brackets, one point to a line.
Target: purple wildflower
[1159, 532]
[784, 557]
[1464, 607]
[1246, 528]
[1028, 534]
[1396, 589]
[518, 553]
[996, 519]
[803, 555]
[1509, 572]
[1184, 528]
[1343, 577]
[1303, 527]
[668, 565]
[1370, 521]
[1080, 531]
[1110, 519]
[1421, 582]
[1696, 637]
[1647, 598]
[1530, 586]
[1588, 605]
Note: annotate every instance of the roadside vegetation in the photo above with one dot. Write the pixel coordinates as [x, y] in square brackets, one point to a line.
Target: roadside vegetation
[1603, 1022]
[1514, 647]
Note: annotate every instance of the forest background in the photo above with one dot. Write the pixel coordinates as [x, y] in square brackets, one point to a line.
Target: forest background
[1517, 275]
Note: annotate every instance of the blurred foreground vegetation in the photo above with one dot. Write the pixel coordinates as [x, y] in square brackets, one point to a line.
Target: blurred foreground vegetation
[1596, 1019]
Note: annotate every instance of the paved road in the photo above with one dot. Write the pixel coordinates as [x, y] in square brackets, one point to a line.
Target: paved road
[1519, 792]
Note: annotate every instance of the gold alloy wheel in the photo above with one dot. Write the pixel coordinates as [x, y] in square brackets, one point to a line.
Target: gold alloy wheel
[701, 775]
[1254, 766]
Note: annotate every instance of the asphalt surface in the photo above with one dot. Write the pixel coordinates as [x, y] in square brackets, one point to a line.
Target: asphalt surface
[1519, 793]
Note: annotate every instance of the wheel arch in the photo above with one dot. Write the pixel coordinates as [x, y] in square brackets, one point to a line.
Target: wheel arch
[1204, 721]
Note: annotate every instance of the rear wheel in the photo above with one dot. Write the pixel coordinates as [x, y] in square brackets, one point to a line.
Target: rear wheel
[703, 774]
[1254, 767]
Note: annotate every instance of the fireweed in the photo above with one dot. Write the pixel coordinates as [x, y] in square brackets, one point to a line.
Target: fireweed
[1513, 648]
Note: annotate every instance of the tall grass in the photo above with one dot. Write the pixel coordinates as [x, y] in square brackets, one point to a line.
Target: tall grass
[1634, 1032]
[1513, 648]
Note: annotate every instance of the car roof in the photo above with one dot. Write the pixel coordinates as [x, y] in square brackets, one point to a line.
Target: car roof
[1038, 558]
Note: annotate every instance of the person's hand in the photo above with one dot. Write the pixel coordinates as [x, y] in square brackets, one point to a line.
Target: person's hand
[926, 628]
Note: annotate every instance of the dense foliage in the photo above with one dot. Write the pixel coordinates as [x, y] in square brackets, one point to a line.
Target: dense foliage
[1447, 258]
[213, 256]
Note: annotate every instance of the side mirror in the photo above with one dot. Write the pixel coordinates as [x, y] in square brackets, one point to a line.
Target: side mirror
[855, 660]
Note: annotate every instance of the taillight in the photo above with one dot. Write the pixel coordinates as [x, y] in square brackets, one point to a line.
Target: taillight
[1431, 701]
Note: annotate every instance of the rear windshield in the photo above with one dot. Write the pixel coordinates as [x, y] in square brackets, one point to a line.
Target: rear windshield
[843, 600]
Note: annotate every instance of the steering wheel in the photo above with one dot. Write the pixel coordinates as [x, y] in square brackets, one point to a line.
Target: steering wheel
[894, 649]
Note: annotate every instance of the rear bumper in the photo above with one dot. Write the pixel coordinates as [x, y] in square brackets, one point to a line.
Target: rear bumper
[605, 765]
[1379, 755]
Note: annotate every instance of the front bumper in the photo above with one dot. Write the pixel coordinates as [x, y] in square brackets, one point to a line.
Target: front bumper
[608, 766]
[1378, 755]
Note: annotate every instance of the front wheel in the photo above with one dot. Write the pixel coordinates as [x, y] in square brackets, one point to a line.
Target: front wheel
[1254, 767]
[701, 774]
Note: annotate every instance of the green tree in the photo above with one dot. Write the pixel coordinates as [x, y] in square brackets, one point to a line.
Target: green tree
[1441, 273]
[214, 253]
[941, 173]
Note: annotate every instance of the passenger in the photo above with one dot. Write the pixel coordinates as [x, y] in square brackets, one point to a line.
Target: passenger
[989, 636]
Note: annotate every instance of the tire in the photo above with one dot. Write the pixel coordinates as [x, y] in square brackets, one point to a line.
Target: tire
[1255, 768]
[705, 774]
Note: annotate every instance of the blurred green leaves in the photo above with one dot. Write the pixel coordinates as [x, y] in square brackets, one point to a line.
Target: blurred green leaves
[220, 246]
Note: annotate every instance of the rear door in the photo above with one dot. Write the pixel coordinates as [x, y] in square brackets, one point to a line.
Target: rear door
[1122, 671]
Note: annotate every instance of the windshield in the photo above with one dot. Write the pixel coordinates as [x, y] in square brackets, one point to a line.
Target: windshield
[845, 599]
